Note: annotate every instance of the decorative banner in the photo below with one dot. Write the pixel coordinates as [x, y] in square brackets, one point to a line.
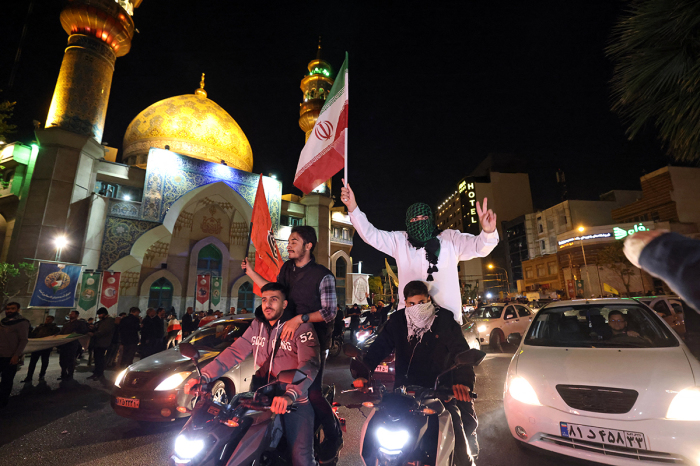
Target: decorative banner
[571, 289]
[38, 344]
[267, 260]
[215, 291]
[110, 289]
[89, 289]
[360, 288]
[609, 289]
[55, 285]
[579, 288]
[203, 289]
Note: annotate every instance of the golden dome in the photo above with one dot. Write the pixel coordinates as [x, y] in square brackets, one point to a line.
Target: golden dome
[191, 125]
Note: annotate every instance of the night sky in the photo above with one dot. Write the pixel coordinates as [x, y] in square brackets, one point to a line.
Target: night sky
[434, 88]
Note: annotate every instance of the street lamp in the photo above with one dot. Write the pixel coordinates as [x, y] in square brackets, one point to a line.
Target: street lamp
[491, 267]
[60, 242]
[583, 251]
[359, 267]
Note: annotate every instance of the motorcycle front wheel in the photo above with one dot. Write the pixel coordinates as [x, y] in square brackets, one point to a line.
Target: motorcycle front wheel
[335, 348]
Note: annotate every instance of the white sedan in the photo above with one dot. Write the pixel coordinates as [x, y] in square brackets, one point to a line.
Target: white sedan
[605, 380]
[495, 322]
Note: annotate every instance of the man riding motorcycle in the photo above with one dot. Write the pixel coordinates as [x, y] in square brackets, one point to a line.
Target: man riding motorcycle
[426, 338]
[273, 355]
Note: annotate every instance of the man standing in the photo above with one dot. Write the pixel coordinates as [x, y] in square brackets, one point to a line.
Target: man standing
[102, 338]
[174, 331]
[423, 252]
[129, 336]
[47, 329]
[189, 323]
[14, 333]
[311, 288]
[210, 317]
[69, 351]
[151, 333]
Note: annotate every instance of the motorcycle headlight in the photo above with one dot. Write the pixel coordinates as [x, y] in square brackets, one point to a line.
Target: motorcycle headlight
[685, 405]
[521, 390]
[173, 381]
[391, 441]
[481, 328]
[186, 448]
[362, 335]
[120, 378]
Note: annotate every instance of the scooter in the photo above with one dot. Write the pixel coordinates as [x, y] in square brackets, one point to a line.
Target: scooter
[409, 426]
[244, 431]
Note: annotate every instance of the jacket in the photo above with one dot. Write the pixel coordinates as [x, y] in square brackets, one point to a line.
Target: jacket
[45, 330]
[455, 246]
[188, 323]
[129, 330]
[152, 329]
[14, 334]
[75, 326]
[421, 363]
[302, 353]
[104, 332]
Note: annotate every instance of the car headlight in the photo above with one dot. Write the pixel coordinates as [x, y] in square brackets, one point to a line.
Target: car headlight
[481, 328]
[391, 441]
[685, 405]
[187, 449]
[173, 381]
[362, 335]
[120, 378]
[521, 390]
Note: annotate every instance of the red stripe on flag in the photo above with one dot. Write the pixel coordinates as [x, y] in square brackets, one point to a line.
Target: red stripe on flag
[323, 166]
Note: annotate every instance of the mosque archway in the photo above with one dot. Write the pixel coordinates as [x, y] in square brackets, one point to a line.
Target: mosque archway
[161, 294]
[246, 297]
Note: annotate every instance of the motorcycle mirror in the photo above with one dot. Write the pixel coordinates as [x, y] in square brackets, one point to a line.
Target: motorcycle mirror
[470, 357]
[188, 351]
[291, 376]
[351, 350]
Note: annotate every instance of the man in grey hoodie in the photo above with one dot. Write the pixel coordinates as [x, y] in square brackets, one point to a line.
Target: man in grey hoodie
[273, 355]
[14, 334]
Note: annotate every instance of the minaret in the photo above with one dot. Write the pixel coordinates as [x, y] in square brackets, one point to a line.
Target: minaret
[315, 86]
[99, 31]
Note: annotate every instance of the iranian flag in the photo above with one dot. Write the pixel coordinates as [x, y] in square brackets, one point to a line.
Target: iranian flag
[325, 152]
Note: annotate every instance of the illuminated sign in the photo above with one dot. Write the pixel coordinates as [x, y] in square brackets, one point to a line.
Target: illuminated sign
[471, 199]
[320, 71]
[620, 233]
[616, 233]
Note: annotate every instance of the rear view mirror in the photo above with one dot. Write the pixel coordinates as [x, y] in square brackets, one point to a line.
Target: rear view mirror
[188, 351]
[470, 357]
[514, 339]
[291, 376]
[352, 351]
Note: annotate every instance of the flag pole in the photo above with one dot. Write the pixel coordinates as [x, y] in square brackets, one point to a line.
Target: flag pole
[347, 99]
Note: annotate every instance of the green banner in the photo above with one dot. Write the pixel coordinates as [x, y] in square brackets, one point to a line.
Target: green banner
[89, 291]
[215, 291]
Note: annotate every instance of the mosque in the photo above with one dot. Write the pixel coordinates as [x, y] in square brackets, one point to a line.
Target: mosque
[178, 206]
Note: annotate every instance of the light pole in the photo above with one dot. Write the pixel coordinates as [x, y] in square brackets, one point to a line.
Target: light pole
[60, 242]
[491, 267]
[588, 275]
[359, 266]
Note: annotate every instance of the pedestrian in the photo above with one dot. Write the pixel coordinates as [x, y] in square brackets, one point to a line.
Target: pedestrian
[210, 317]
[189, 322]
[151, 333]
[47, 329]
[232, 311]
[102, 338]
[129, 336]
[174, 334]
[113, 351]
[244, 310]
[425, 253]
[14, 333]
[218, 314]
[163, 317]
[69, 351]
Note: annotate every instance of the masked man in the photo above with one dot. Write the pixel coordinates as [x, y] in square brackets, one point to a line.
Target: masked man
[423, 252]
[14, 334]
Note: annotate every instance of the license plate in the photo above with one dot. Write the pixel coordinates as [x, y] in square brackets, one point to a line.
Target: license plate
[127, 402]
[620, 438]
[382, 368]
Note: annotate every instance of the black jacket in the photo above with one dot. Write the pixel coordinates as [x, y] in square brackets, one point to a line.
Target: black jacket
[189, 323]
[152, 329]
[129, 330]
[104, 331]
[427, 359]
[376, 319]
[45, 330]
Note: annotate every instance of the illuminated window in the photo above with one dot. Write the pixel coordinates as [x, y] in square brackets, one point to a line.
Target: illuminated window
[246, 297]
[161, 294]
[209, 261]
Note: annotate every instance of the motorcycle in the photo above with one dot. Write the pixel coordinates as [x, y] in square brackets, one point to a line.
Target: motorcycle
[336, 345]
[409, 425]
[244, 431]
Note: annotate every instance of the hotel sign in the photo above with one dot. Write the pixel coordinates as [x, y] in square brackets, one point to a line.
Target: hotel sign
[616, 232]
[470, 193]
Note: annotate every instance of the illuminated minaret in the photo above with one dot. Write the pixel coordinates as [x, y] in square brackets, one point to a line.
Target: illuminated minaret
[315, 86]
[99, 31]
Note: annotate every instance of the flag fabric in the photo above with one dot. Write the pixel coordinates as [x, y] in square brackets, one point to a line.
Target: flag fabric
[391, 273]
[215, 291]
[267, 256]
[324, 153]
[110, 289]
[609, 289]
[202, 290]
[55, 285]
[89, 292]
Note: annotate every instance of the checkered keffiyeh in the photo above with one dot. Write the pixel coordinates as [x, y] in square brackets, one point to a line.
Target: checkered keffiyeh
[419, 318]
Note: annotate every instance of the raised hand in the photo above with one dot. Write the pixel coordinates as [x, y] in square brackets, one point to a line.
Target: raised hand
[486, 217]
[348, 196]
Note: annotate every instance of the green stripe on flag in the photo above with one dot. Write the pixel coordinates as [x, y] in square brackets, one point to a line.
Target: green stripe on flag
[338, 88]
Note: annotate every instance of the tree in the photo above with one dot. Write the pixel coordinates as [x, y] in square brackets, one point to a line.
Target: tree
[6, 109]
[614, 259]
[656, 53]
[375, 287]
[469, 292]
[14, 279]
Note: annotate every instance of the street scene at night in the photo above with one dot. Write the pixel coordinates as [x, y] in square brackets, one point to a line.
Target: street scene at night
[492, 257]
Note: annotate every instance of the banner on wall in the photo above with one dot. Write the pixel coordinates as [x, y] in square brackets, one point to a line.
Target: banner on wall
[110, 289]
[203, 290]
[215, 291]
[89, 291]
[579, 288]
[571, 289]
[55, 285]
[359, 283]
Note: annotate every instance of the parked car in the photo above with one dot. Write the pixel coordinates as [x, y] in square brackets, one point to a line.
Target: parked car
[614, 388]
[152, 388]
[669, 308]
[495, 322]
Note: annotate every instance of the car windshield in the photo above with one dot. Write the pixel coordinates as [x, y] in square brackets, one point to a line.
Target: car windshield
[218, 337]
[624, 325]
[488, 312]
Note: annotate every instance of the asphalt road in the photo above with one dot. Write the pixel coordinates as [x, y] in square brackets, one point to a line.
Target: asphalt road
[72, 424]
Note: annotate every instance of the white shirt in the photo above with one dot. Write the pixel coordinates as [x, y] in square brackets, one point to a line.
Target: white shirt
[455, 246]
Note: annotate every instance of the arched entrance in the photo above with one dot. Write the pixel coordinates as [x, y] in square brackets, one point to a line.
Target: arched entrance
[161, 294]
[246, 297]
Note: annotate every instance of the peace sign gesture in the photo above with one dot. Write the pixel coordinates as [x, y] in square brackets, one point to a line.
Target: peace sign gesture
[486, 217]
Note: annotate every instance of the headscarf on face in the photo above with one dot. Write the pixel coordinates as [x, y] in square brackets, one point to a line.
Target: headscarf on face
[419, 319]
[423, 234]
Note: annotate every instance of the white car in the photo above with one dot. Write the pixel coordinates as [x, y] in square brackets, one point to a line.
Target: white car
[605, 380]
[669, 308]
[496, 321]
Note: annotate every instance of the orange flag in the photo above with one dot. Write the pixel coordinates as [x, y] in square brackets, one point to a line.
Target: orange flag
[267, 256]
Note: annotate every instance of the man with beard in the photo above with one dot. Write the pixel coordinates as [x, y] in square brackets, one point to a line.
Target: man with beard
[69, 351]
[423, 252]
[102, 339]
[14, 334]
[47, 329]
